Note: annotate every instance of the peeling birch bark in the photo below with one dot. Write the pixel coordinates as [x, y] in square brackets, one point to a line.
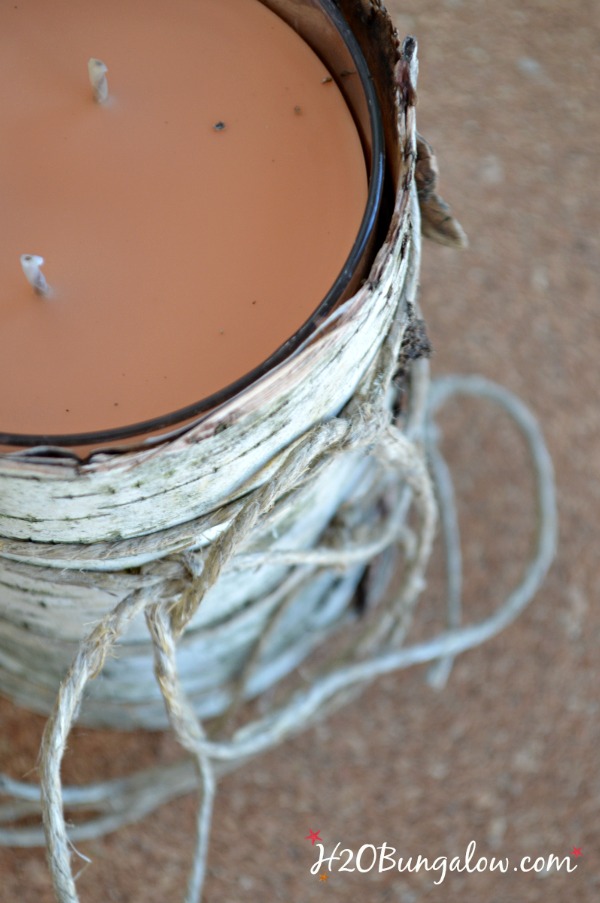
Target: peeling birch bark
[78, 536]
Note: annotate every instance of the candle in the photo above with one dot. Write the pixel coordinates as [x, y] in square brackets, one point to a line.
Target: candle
[190, 221]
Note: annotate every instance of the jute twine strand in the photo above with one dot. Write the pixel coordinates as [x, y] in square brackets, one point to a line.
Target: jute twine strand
[87, 664]
[142, 792]
[189, 733]
[303, 707]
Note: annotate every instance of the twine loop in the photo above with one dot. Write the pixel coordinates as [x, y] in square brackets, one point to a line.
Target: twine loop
[378, 650]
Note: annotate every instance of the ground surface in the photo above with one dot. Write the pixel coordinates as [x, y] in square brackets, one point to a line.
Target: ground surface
[507, 754]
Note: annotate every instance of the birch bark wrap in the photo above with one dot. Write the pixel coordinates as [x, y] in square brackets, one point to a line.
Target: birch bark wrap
[76, 536]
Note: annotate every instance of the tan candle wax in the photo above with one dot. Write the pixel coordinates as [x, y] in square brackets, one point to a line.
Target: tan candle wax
[189, 225]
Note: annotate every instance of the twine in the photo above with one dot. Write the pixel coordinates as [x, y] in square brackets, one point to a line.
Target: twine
[364, 426]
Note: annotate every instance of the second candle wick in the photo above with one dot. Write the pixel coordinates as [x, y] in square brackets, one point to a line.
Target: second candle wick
[31, 264]
[97, 71]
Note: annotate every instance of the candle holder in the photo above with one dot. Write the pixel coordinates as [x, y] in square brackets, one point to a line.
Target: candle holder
[160, 506]
[212, 560]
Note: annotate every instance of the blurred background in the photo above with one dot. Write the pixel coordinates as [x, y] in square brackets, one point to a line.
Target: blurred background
[507, 754]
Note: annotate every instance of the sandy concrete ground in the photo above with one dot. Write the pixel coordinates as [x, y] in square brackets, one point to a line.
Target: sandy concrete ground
[507, 754]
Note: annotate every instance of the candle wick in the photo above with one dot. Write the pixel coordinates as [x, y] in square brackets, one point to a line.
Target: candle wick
[31, 264]
[97, 72]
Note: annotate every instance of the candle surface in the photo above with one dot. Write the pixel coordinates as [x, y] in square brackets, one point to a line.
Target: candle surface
[189, 225]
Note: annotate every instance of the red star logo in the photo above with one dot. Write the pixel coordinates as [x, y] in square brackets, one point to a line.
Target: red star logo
[313, 836]
[576, 851]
